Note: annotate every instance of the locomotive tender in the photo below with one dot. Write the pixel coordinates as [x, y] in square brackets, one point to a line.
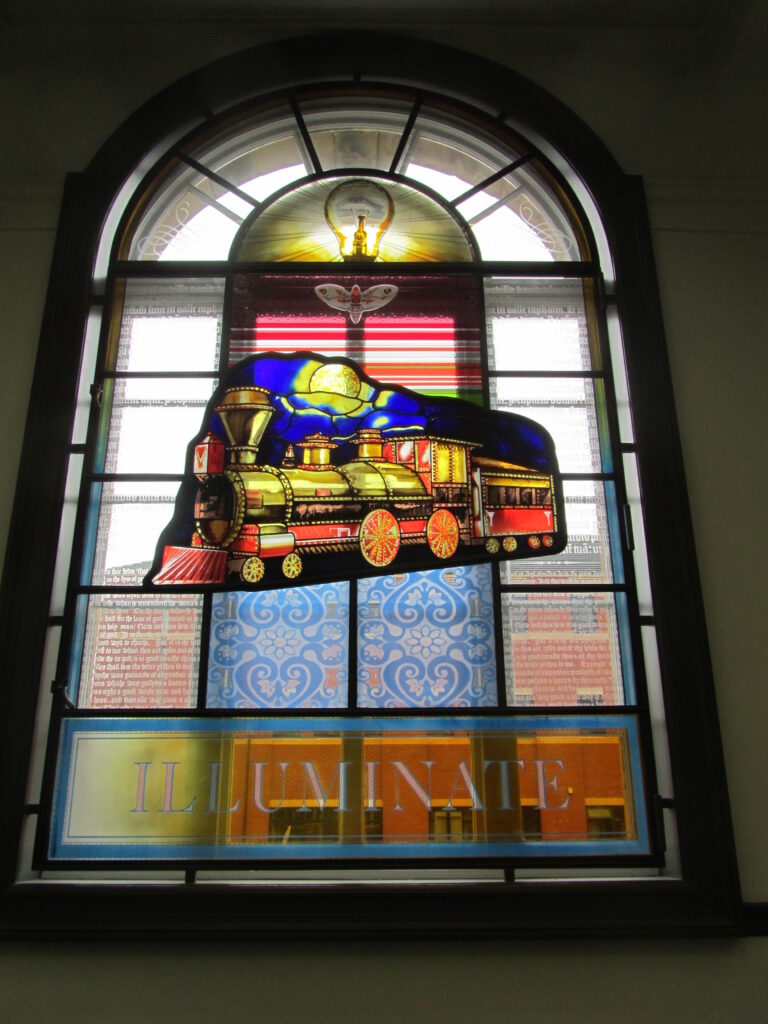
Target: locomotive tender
[415, 471]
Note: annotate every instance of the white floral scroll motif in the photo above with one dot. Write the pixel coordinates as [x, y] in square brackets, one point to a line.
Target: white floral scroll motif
[279, 648]
[427, 640]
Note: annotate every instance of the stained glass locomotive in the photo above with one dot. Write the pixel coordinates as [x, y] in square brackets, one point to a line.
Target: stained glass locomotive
[303, 460]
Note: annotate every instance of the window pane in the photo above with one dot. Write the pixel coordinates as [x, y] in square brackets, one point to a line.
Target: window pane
[458, 160]
[146, 438]
[565, 408]
[152, 423]
[256, 155]
[433, 355]
[362, 137]
[192, 216]
[87, 366]
[42, 715]
[505, 235]
[140, 651]
[309, 740]
[427, 640]
[170, 325]
[316, 223]
[527, 225]
[640, 553]
[426, 337]
[537, 325]
[66, 534]
[280, 648]
[562, 649]
[131, 518]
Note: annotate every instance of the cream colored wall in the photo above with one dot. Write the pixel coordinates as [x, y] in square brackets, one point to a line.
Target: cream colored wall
[683, 107]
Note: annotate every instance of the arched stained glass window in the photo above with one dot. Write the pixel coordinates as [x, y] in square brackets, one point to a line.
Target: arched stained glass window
[352, 572]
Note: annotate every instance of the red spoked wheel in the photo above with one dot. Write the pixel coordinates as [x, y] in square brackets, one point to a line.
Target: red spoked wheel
[379, 537]
[442, 533]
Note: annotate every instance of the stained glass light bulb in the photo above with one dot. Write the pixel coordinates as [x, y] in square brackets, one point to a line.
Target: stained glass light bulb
[358, 212]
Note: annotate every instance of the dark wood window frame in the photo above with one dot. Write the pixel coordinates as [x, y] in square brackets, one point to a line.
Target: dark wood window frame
[706, 898]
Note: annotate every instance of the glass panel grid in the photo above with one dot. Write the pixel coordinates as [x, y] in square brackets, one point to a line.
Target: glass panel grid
[532, 326]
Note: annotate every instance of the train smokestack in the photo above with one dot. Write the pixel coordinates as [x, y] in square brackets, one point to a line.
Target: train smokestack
[316, 450]
[370, 444]
[245, 413]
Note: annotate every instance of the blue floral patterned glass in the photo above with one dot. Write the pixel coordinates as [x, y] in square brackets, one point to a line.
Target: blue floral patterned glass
[426, 640]
[280, 648]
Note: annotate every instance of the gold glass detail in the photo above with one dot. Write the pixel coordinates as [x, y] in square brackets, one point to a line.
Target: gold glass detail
[359, 212]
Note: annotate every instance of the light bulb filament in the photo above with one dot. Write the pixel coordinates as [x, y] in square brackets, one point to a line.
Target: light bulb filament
[360, 240]
[365, 203]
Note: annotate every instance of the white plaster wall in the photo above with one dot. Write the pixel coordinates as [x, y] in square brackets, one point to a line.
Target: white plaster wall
[684, 107]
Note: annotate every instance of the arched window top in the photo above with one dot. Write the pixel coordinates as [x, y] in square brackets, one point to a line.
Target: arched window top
[508, 200]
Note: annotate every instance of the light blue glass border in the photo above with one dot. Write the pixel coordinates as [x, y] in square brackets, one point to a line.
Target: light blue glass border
[91, 531]
[625, 648]
[61, 850]
[76, 648]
